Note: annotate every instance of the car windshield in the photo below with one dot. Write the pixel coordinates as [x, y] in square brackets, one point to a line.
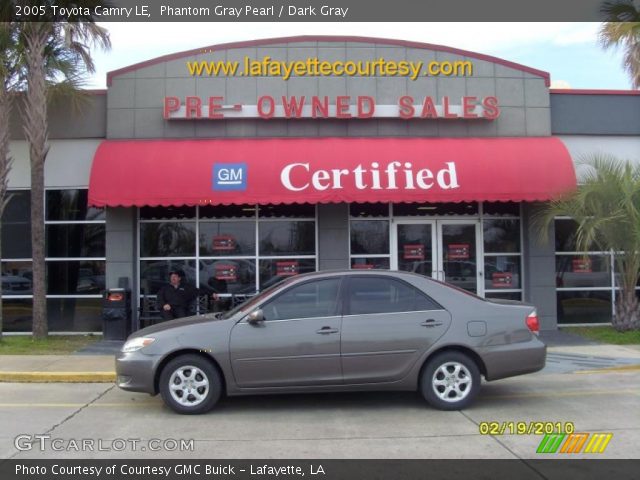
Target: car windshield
[252, 301]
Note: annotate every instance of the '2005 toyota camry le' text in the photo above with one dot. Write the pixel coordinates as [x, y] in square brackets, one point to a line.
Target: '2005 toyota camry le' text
[337, 331]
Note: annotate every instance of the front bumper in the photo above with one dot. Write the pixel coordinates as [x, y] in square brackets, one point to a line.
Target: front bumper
[135, 371]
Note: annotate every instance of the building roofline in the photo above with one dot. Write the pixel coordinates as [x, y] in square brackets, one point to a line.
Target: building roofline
[585, 91]
[329, 38]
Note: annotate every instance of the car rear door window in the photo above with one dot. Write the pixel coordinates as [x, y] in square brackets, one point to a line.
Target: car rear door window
[310, 300]
[385, 295]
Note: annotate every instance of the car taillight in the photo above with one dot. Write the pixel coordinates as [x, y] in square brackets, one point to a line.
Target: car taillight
[532, 322]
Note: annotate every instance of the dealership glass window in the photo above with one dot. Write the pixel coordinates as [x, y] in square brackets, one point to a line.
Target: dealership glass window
[235, 276]
[504, 295]
[369, 228]
[370, 263]
[286, 238]
[586, 306]
[154, 274]
[234, 249]
[16, 225]
[75, 261]
[565, 236]
[74, 314]
[75, 265]
[16, 278]
[369, 235]
[227, 238]
[167, 239]
[75, 240]
[71, 206]
[73, 277]
[501, 235]
[17, 314]
[272, 271]
[584, 280]
[502, 246]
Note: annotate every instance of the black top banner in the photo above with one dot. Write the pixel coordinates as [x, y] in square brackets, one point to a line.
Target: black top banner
[309, 10]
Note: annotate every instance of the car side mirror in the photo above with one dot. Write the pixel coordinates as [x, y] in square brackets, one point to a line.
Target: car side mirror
[256, 316]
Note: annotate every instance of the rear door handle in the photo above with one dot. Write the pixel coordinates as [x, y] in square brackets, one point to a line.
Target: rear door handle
[327, 330]
[430, 323]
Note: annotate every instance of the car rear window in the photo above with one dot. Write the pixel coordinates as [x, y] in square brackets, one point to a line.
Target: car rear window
[385, 295]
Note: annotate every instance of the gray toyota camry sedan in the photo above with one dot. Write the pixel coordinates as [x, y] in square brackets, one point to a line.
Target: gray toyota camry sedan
[337, 331]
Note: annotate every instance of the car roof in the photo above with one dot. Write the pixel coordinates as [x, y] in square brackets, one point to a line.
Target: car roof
[352, 272]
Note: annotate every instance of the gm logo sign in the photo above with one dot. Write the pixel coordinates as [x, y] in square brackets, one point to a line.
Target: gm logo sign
[229, 176]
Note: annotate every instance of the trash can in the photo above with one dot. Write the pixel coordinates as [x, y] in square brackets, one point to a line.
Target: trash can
[116, 314]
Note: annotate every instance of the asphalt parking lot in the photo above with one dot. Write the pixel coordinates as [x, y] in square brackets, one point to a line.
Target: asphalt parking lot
[357, 425]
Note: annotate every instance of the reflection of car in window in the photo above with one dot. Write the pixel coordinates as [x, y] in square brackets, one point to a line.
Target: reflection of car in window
[88, 282]
[15, 285]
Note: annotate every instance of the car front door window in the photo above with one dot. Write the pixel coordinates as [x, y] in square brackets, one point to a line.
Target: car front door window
[309, 300]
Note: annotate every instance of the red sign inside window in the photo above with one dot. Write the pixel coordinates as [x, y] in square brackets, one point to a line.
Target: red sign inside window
[581, 265]
[502, 280]
[414, 252]
[224, 243]
[363, 266]
[459, 251]
[287, 269]
[226, 272]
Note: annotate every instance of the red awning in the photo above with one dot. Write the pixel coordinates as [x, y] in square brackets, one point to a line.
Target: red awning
[328, 170]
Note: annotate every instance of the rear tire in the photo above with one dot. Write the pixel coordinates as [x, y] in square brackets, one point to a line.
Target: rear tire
[450, 381]
[190, 385]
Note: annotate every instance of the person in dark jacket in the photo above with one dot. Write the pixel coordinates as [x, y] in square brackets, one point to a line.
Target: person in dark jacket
[174, 299]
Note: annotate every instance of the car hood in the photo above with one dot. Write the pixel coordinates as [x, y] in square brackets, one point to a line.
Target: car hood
[177, 323]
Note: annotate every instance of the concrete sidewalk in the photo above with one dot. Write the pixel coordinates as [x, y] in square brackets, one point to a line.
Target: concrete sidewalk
[565, 355]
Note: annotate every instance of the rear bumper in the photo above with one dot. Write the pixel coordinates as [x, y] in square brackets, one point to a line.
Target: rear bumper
[513, 359]
[135, 372]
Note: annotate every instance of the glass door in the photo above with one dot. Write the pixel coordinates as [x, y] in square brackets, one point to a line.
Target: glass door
[458, 254]
[447, 250]
[415, 247]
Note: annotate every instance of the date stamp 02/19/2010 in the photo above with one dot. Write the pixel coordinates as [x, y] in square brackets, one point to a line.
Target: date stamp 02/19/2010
[558, 437]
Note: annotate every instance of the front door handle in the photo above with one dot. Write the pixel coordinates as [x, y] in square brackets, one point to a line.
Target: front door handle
[327, 330]
[430, 323]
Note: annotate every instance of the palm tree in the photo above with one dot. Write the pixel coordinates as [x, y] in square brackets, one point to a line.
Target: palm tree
[622, 28]
[59, 48]
[606, 209]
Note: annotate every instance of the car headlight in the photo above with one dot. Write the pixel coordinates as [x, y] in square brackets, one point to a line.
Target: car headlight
[137, 343]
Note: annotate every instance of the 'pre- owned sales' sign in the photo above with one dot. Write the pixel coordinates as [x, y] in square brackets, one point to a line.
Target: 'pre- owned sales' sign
[341, 107]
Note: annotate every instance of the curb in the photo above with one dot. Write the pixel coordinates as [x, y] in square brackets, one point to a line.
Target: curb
[58, 377]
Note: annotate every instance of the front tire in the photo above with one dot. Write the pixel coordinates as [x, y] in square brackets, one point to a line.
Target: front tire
[190, 385]
[450, 381]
